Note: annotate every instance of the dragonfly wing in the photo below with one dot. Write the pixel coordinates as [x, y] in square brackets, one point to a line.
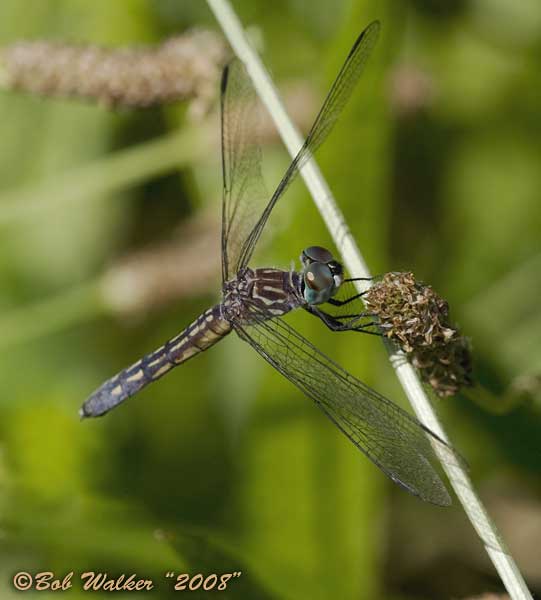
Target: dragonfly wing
[333, 105]
[394, 440]
[244, 194]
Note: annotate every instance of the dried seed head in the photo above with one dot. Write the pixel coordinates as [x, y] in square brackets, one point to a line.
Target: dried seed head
[186, 67]
[410, 313]
[446, 368]
[413, 316]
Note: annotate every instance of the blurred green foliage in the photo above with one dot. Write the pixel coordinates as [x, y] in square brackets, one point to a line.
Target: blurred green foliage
[223, 466]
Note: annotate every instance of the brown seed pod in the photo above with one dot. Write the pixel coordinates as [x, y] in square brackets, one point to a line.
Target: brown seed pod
[413, 316]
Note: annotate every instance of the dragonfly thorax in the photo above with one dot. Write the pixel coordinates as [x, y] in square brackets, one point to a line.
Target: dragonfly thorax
[322, 275]
[269, 292]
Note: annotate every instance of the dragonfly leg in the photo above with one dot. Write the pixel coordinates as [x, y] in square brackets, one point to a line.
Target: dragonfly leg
[334, 324]
[358, 279]
[336, 302]
[357, 316]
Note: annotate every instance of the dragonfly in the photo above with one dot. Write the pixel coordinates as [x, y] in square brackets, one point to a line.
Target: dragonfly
[255, 300]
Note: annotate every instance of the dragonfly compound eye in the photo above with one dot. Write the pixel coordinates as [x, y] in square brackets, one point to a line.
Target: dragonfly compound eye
[319, 284]
[318, 277]
[316, 254]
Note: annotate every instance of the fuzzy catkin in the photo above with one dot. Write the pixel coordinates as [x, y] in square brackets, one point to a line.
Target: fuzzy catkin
[185, 67]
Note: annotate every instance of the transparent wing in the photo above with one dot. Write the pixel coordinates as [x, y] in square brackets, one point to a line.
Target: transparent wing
[244, 193]
[333, 105]
[395, 441]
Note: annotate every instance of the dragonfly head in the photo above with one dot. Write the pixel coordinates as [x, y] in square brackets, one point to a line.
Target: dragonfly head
[322, 275]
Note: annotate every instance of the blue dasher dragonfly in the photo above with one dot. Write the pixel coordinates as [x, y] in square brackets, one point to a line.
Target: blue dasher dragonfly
[255, 299]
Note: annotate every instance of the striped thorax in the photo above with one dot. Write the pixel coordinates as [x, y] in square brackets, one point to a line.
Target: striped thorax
[274, 291]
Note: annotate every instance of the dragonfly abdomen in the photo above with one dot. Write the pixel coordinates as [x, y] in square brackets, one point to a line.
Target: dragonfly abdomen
[204, 332]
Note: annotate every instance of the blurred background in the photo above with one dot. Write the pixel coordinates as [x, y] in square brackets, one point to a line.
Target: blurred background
[109, 245]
